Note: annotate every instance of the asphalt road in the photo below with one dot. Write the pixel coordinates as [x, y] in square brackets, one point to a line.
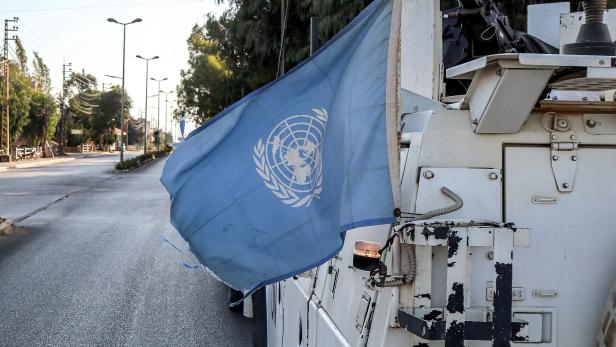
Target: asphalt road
[91, 270]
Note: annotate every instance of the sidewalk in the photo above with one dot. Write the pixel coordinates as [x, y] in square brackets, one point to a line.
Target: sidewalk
[28, 163]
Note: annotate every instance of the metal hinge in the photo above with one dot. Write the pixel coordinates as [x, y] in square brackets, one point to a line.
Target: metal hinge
[564, 154]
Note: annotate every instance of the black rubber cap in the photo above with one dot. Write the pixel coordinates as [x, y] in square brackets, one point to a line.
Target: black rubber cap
[593, 39]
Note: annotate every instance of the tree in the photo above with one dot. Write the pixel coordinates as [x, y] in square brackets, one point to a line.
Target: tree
[20, 93]
[204, 89]
[41, 74]
[43, 114]
[238, 52]
[82, 96]
[107, 115]
[43, 117]
[22, 57]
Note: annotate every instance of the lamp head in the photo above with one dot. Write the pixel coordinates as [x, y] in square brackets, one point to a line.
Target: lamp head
[112, 20]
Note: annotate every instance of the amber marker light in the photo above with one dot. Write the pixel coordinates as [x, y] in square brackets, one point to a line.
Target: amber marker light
[366, 255]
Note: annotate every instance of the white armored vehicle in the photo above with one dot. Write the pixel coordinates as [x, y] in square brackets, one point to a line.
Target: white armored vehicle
[508, 158]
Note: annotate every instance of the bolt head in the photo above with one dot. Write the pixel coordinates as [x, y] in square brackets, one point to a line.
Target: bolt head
[493, 176]
[565, 185]
[574, 158]
[562, 123]
[428, 175]
[554, 157]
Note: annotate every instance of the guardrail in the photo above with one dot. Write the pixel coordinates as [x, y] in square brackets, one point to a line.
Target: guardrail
[80, 149]
[27, 153]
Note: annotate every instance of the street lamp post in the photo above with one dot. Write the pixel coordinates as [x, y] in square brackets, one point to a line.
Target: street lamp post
[166, 108]
[158, 121]
[145, 122]
[152, 123]
[171, 120]
[136, 20]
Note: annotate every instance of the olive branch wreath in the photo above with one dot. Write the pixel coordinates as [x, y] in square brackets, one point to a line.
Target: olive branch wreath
[272, 182]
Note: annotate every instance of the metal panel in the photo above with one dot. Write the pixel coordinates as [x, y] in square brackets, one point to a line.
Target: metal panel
[460, 323]
[362, 311]
[481, 191]
[572, 251]
[421, 55]
[600, 124]
[510, 102]
[527, 61]
[340, 288]
[479, 188]
[328, 333]
[478, 236]
[457, 290]
[294, 315]
[412, 102]
[605, 337]
[534, 329]
[557, 60]
[544, 21]
[503, 259]
[468, 69]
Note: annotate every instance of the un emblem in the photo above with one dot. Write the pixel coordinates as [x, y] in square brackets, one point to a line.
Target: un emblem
[289, 162]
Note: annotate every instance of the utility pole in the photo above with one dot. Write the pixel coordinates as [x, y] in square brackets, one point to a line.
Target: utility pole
[314, 35]
[66, 68]
[283, 28]
[145, 119]
[170, 132]
[5, 139]
[158, 121]
[166, 107]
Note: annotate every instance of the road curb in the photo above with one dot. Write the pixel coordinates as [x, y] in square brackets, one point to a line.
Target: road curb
[27, 165]
[6, 227]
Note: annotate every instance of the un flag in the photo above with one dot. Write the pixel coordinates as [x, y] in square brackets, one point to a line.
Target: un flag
[267, 189]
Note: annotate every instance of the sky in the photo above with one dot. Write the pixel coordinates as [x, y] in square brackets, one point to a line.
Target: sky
[77, 32]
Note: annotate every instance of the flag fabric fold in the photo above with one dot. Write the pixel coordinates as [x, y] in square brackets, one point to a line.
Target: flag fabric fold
[267, 189]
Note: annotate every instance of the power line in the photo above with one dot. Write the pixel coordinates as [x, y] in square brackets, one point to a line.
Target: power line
[41, 44]
[97, 6]
[284, 13]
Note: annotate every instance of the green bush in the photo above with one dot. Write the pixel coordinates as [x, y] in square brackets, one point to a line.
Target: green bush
[136, 162]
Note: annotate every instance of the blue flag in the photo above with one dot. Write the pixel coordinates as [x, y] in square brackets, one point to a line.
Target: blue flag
[182, 126]
[267, 189]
